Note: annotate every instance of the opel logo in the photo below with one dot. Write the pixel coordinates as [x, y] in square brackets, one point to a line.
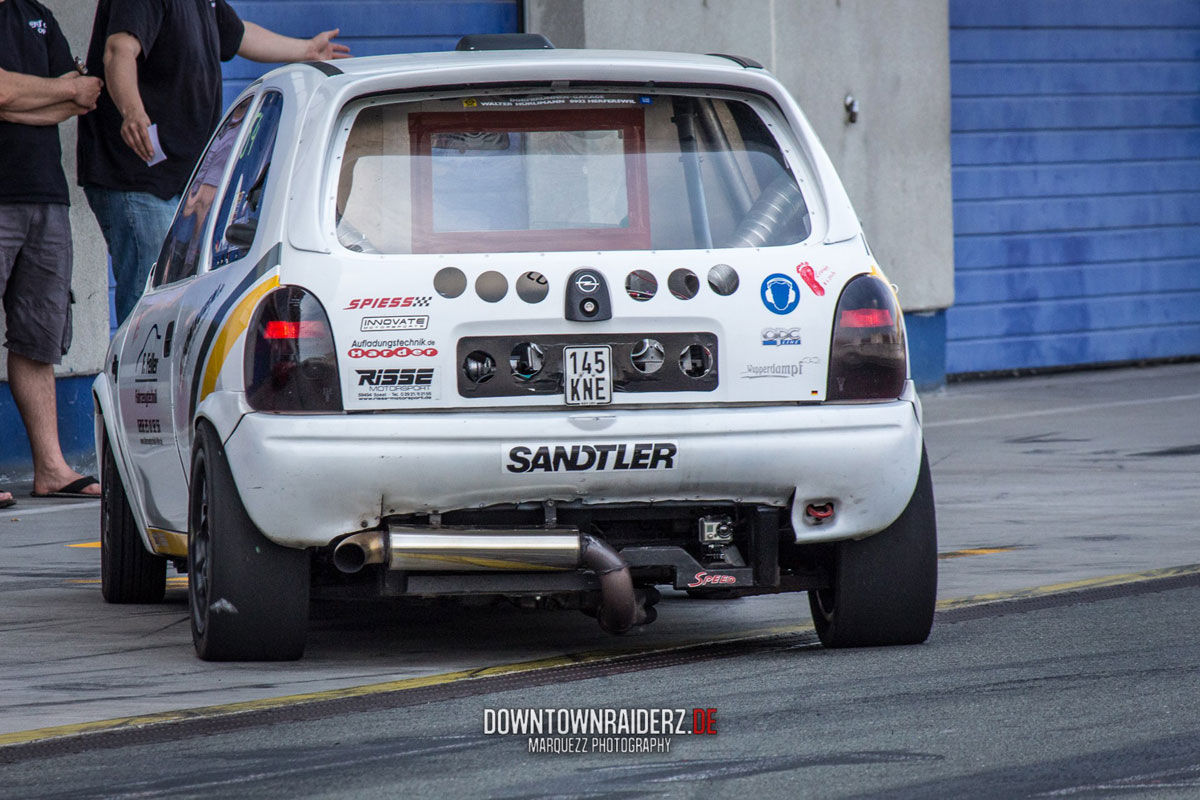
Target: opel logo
[587, 283]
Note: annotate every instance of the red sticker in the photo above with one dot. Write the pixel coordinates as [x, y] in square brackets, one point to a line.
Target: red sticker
[810, 279]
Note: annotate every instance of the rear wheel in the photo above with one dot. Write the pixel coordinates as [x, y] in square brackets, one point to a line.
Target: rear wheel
[248, 596]
[885, 586]
[129, 573]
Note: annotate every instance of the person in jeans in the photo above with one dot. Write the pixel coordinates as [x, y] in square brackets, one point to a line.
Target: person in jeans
[161, 62]
[39, 88]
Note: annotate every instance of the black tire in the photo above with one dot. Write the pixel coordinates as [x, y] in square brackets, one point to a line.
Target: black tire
[247, 596]
[129, 573]
[885, 586]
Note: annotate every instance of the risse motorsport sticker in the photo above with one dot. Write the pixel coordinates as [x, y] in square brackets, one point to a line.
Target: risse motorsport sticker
[396, 384]
[521, 458]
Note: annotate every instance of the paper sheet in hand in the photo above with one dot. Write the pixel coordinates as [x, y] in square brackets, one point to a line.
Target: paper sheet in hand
[159, 155]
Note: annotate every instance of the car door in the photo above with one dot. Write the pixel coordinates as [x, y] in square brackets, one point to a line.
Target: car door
[216, 289]
[153, 351]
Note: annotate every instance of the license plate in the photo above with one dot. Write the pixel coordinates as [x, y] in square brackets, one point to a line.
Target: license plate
[587, 375]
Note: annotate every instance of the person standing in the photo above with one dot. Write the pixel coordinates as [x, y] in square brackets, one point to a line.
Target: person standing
[161, 61]
[39, 88]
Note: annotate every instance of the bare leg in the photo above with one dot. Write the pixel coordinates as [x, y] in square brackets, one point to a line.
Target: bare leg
[32, 384]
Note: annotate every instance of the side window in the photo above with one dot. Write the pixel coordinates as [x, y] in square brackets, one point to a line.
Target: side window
[181, 249]
[241, 206]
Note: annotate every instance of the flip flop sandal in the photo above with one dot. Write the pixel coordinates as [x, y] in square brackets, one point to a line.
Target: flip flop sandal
[73, 489]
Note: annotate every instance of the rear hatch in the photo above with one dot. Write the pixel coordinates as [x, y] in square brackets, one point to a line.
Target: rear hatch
[579, 248]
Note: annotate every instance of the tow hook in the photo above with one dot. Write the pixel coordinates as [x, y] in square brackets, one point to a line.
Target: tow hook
[818, 513]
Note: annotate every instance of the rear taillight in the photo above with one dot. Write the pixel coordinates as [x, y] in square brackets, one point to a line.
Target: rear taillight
[304, 329]
[291, 364]
[867, 359]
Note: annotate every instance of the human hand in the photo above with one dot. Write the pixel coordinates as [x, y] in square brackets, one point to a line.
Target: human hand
[322, 48]
[84, 90]
[135, 132]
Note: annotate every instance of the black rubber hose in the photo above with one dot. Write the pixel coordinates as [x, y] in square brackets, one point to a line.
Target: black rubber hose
[618, 610]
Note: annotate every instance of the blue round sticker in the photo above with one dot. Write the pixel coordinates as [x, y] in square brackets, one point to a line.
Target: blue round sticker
[780, 294]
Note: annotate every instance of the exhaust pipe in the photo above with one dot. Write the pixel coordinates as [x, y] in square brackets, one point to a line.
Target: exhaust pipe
[355, 552]
[619, 605]
[450, 549]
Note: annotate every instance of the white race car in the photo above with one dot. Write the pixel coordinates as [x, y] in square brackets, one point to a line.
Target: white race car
[560, 326]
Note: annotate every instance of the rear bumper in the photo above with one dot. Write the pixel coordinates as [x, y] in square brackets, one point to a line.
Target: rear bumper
[306, 480]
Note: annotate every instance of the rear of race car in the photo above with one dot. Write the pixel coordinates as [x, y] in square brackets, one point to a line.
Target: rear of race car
[570, 339]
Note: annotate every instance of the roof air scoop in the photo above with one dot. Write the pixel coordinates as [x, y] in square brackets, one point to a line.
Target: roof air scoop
[504, 41]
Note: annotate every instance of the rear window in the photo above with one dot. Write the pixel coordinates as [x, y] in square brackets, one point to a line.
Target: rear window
[537, 172]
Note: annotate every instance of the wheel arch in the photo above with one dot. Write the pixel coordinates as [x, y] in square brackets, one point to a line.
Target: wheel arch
[105, 424]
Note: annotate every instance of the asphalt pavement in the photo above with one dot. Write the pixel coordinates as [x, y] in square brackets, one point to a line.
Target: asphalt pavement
[1089, 695]
[1058, 480]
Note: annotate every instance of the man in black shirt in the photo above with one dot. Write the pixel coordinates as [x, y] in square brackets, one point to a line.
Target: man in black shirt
[39, 88]
[161, 61]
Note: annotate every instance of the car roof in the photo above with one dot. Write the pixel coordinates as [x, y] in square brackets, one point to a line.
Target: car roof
[489, 59]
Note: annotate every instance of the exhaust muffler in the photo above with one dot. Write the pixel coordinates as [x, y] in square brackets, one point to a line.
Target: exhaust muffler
[471, 549]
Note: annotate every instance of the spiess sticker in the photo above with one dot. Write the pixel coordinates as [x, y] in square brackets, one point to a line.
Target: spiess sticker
[780, 294]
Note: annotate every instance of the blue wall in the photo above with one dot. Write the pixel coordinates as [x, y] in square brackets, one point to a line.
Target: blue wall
[1076, 164]
[372, 27]
[75, 433]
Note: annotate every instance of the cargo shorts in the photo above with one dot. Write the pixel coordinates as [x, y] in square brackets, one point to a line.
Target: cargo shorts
[35, 279]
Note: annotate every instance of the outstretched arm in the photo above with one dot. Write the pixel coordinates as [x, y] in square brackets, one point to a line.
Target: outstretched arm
[260, 44]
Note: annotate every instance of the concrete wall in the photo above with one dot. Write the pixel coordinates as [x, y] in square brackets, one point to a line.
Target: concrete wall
[90, 280]
[891, 55]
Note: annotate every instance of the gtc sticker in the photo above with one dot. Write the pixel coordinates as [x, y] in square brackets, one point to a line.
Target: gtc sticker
[780, 294]
[397, 352]
[777, 337]
[413, 323]
[705, 579]
[387, 302]
[590, 457]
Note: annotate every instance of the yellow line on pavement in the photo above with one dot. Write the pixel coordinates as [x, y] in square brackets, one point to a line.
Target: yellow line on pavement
[977, 551]
[59, 731]
[89, 545]
[176, 580]
[248, 706]
[1069, 586]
